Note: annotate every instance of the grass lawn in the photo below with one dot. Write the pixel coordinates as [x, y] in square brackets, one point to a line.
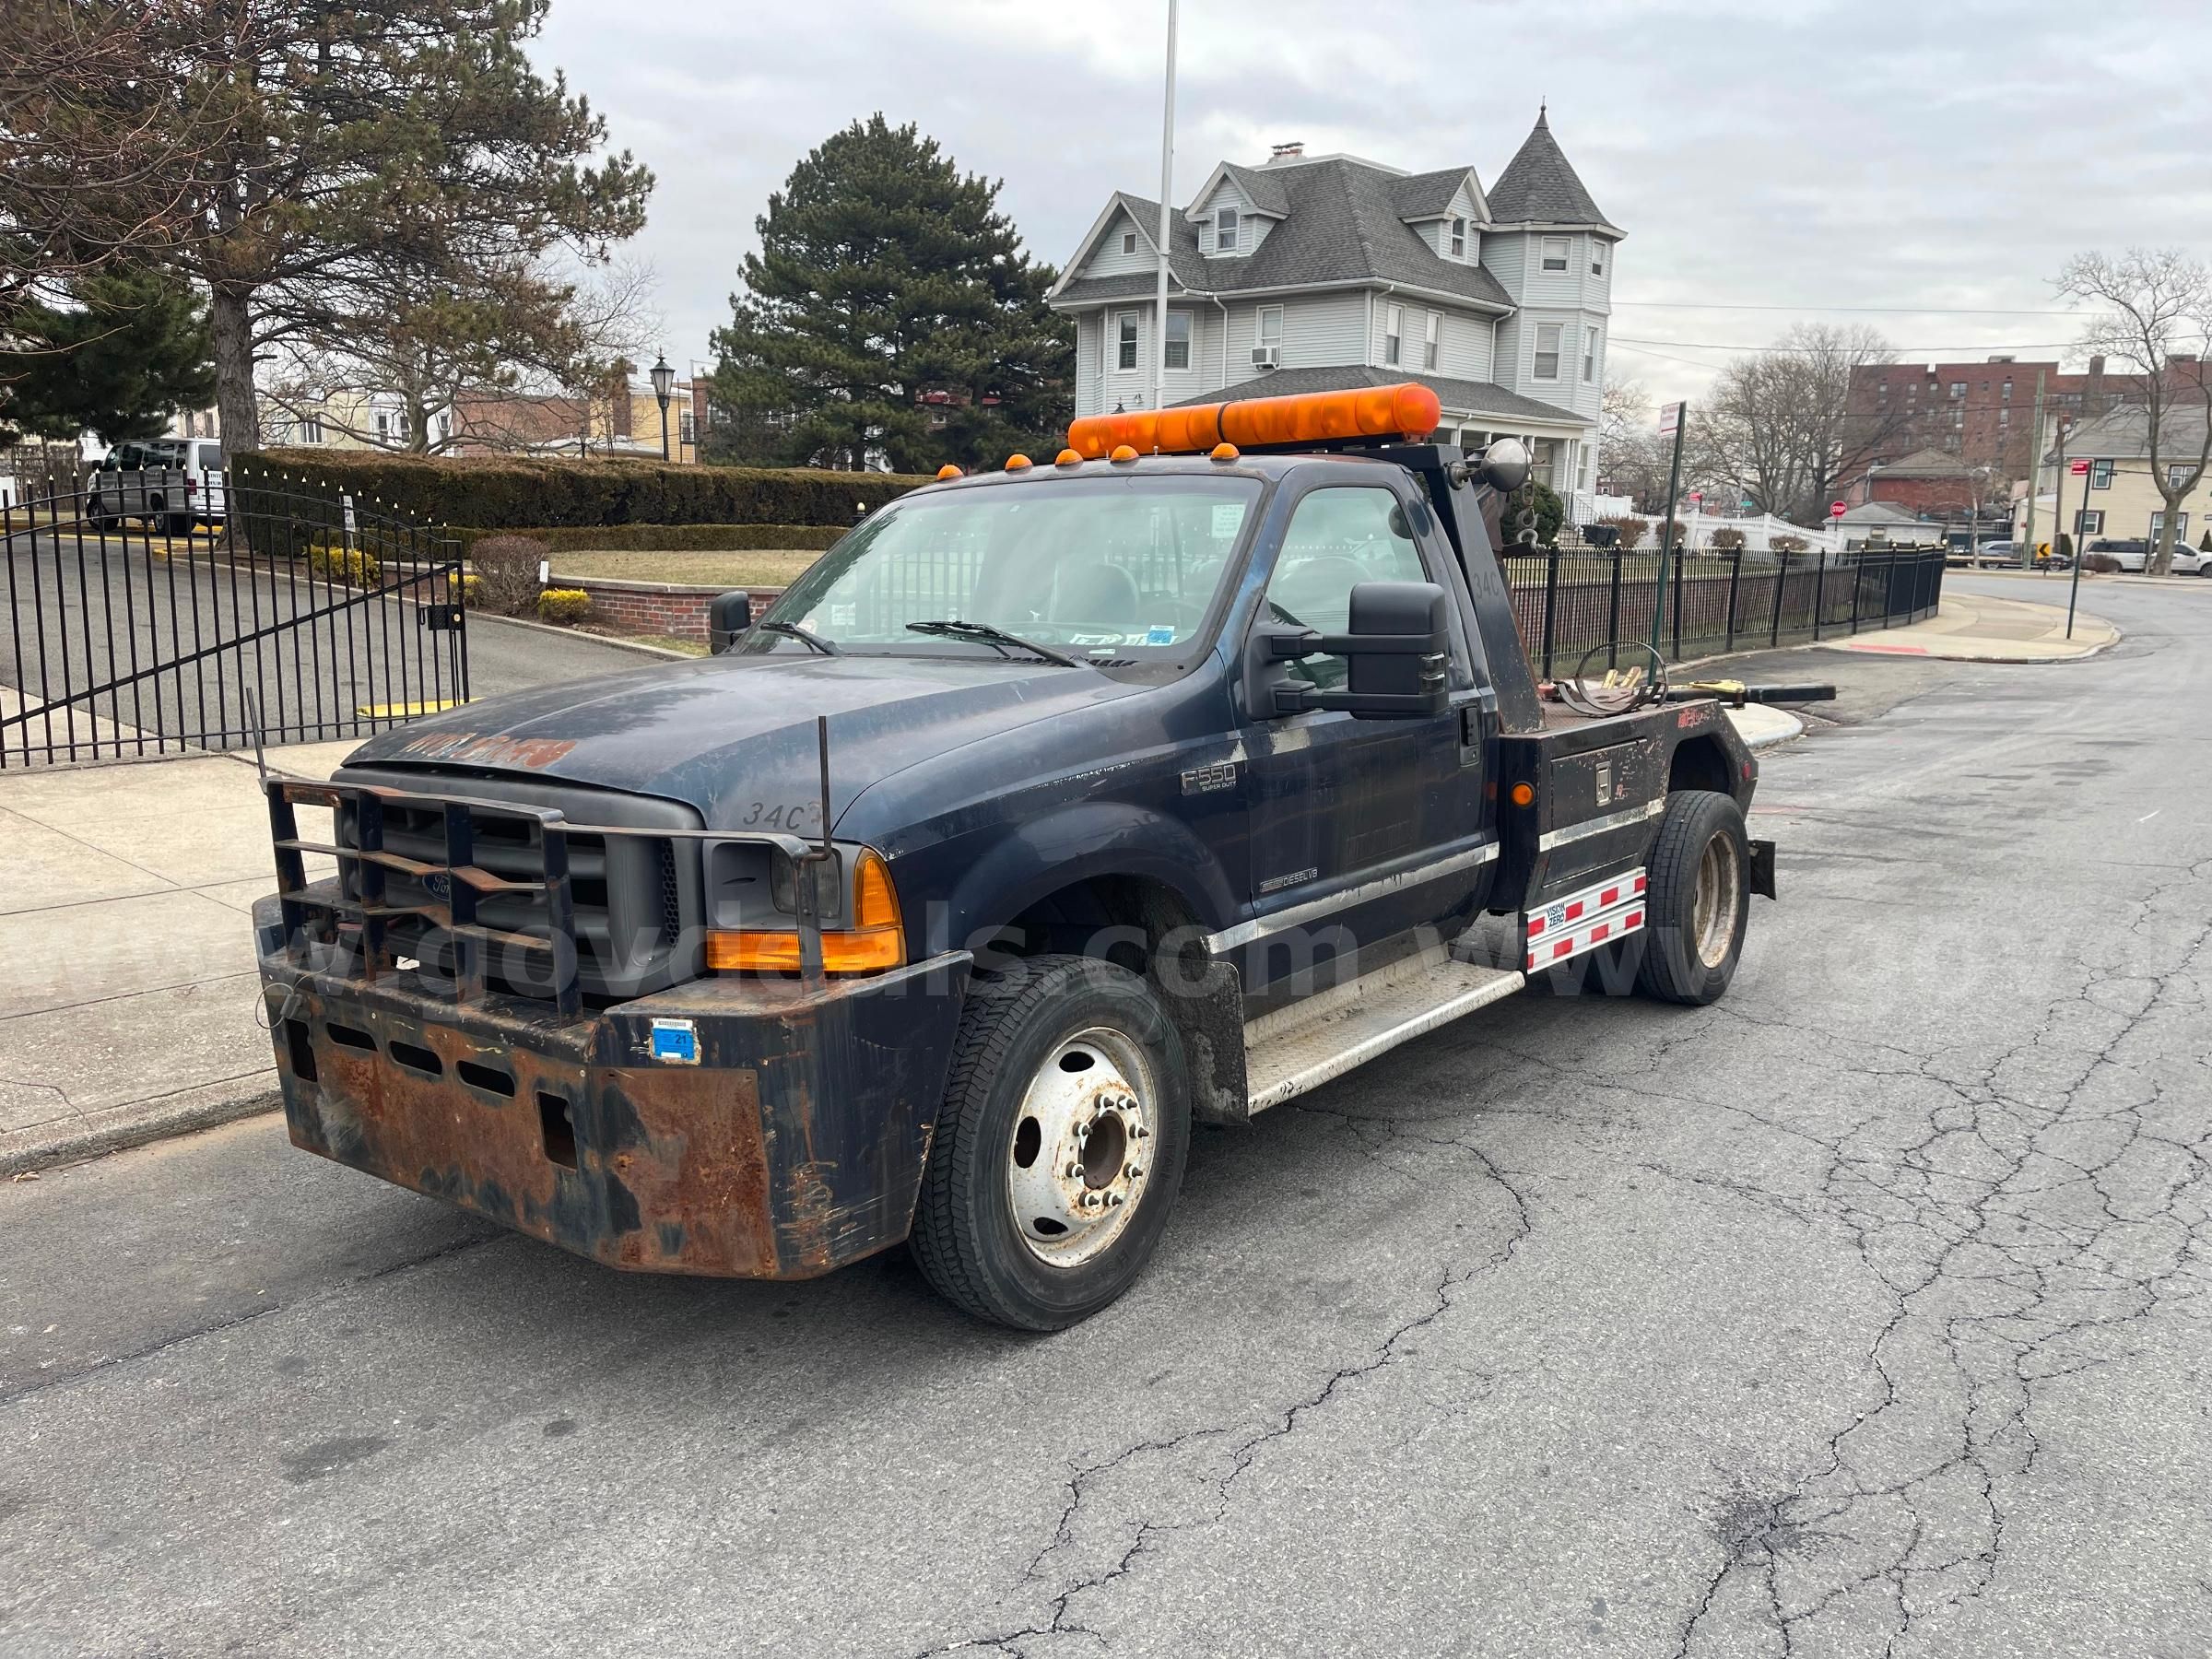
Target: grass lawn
[772, 568]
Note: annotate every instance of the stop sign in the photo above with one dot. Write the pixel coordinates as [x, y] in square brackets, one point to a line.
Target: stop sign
[1835, 509]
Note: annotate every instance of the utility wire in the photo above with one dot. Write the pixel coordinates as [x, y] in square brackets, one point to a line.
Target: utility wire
[1871, 311]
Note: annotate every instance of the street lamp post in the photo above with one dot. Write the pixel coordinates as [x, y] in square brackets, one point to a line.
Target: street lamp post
[664, 382]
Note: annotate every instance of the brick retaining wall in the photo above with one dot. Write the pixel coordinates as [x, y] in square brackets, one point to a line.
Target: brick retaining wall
[661, 608]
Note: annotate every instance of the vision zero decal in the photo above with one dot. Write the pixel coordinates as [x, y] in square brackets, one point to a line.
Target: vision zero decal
[1567, 927]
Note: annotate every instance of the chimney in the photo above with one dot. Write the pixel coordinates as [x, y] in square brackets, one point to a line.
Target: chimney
[1293, 151]
[2096, 367]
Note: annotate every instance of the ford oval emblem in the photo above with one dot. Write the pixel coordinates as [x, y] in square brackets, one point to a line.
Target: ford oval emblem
[440, 886]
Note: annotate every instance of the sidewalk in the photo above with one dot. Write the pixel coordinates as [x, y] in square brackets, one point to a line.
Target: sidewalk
[129, 994]
[1973, 627]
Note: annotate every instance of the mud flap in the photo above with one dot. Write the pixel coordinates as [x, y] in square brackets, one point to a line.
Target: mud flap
[1762, 868]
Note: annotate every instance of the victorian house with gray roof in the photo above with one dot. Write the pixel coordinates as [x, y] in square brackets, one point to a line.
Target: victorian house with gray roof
[1320, 273]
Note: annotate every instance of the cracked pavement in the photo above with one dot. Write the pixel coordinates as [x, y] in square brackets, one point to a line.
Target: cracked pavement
[1860, 1314]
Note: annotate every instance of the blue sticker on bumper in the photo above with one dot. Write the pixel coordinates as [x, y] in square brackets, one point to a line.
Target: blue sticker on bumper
[675, 1041]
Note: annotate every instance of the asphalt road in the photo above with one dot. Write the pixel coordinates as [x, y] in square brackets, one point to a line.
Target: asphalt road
[103, 610]
[1859, 1314]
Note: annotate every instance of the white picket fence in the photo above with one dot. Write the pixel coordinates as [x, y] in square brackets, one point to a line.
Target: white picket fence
[1759, 529]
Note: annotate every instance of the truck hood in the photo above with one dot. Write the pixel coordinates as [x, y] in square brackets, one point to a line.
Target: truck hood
[734, 737]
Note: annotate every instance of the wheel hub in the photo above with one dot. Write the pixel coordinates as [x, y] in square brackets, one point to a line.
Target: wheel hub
[1713, 919]
[1082, 1142]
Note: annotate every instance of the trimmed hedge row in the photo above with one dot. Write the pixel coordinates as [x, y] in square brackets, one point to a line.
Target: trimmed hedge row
[503, 492]
[661, 538]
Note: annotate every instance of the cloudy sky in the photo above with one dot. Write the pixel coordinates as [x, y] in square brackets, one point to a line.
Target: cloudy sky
[1930, 162]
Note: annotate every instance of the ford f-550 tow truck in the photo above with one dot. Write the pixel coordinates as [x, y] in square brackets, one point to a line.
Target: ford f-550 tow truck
[1050, 812]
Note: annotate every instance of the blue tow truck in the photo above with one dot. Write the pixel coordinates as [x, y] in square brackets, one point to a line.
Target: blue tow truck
[1052, 812]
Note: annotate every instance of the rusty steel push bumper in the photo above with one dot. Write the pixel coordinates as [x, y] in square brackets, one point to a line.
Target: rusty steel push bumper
[748, 1128]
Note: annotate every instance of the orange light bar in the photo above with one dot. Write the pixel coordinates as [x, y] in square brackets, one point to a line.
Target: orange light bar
[1409, 409]
[875, 943]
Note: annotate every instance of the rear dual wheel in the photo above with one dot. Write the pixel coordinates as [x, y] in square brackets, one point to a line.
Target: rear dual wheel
[1060, 1146]
[1698, 898]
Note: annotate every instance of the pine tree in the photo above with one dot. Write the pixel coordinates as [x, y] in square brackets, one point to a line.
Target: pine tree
[892, 307]
[125, 351]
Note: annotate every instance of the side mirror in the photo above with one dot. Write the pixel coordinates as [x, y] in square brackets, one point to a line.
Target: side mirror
[1505, 465]
[728, 615]
[1396, 655]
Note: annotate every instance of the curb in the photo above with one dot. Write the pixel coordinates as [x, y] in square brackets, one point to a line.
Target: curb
[1959, 656]
[79, 1143]
[1769, 739]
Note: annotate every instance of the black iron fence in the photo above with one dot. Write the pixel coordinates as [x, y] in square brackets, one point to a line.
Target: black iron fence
[145, 620]
[1592, 602]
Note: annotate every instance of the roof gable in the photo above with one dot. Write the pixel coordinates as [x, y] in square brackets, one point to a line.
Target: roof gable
[1433, 195]
[1538, 186]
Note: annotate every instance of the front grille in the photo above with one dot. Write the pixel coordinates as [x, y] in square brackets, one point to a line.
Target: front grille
[632, 893]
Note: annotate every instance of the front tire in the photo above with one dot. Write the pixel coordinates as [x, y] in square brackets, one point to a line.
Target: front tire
[1699, 898]
[1060, 1146]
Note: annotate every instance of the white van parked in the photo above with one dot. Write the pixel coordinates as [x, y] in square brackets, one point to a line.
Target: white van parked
[175, 482]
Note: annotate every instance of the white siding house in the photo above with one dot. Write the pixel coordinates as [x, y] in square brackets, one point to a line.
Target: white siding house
[1318, 273]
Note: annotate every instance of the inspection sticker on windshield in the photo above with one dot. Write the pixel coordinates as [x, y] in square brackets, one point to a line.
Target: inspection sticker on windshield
[1160, 633]
[675, 1041]
[1228, 515]
[844, 615]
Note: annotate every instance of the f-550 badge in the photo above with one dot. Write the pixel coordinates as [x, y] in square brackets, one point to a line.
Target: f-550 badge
[1205, 780]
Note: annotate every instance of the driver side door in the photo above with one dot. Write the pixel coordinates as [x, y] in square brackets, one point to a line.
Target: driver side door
[1342, 807]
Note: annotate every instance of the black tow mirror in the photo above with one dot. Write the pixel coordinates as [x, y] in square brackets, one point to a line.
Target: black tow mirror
[728, 615]
[1396, 655]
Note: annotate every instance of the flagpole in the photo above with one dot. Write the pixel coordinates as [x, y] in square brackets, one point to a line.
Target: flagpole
[1167, 187]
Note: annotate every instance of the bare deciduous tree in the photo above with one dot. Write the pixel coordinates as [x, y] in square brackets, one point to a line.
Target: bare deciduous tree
[1777, 425]
[1632, 456]
[2154, 315]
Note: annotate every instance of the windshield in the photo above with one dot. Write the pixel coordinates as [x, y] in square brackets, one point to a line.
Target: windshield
[1121, 568]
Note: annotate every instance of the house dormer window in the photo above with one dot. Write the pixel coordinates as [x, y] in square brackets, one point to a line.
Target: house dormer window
[1555, 252]
[1128, 241]
[1225, 230]
[1459, 239]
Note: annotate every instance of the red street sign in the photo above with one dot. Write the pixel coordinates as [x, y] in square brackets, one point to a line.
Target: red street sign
[1835, 509]
[2077, 467]
[1696, 495]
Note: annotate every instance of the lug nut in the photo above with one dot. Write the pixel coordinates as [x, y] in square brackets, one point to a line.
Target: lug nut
[1116, 1200]
[1136, 1169]
[1075, 1171]
[1091, 1200]
[1138, 1132]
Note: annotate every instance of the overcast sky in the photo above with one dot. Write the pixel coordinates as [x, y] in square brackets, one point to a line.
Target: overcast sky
[1934, 159]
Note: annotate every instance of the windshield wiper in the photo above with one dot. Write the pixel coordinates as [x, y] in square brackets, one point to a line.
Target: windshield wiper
[804, 636]
[986, 634]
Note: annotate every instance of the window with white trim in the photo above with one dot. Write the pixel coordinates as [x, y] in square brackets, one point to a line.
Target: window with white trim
[1394, 332]
[1128, 241]
[1597, 257]
[2089, 520]
[1548, 351]
[1271, 327]
[1126, 324]
[1459, 239]
[1225, 230]
[1179, 340]
[2177, 475]
[2180, 529]
[2100, 475]
[1589, 356]
[1431, 337]
[1555, 252]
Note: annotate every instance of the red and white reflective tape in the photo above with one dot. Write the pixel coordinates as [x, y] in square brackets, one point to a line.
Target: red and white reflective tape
[1567, 927]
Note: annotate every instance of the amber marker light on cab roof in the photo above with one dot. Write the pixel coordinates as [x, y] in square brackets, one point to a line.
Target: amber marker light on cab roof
[1224, 451]
[1123, 455]
[1067, 457]
[948, 471]
[1408, 410]
[1018, 462]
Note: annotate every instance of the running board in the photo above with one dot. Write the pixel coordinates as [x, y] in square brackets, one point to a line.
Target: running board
[1302, 1046]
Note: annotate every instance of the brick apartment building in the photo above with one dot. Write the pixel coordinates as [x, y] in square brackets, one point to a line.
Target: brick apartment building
[1983, 415]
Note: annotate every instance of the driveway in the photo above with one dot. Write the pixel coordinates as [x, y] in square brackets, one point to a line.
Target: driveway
[1859, 1314]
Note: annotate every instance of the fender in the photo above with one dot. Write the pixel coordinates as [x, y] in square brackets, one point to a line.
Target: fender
[1073, 843]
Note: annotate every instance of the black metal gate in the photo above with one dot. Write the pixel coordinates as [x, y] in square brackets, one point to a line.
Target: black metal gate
[274, 615]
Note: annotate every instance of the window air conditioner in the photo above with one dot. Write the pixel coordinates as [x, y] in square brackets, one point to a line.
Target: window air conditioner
[1266, 357]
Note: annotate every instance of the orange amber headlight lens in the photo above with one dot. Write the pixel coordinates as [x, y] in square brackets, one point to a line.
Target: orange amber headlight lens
[873, 943]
